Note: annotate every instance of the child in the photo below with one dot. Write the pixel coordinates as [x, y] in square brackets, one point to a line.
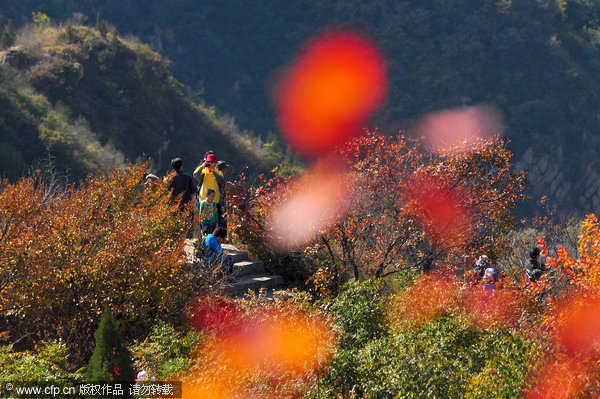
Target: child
[208, 212]
[215, 254]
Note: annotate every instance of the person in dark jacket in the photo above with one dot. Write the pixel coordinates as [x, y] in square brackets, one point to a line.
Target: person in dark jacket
[181, 184]
[534, 268]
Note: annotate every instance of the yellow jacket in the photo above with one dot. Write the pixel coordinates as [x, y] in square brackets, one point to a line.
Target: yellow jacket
[208, 178]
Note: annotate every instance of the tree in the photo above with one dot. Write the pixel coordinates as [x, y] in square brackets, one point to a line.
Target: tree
[7, 34]
[101, 25]
[111, 360]
[408, 208]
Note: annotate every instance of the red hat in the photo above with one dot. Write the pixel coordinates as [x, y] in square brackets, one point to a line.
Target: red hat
[211, 158]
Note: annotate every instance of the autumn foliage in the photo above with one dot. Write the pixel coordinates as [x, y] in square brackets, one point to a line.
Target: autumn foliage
[404, 207]
[573, 320]
[68, 253]
[255, 349]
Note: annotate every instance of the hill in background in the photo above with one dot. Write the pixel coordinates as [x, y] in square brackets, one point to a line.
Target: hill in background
[92, 99]
[536, 60]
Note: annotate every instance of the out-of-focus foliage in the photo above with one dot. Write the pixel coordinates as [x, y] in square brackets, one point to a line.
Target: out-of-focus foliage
[67, 253]
[259, 348]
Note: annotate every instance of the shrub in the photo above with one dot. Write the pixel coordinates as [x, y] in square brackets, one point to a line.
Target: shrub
[65, 255]
[166, 352]
[47, 364]
[359, 313]
[444, 359]
[111, 360]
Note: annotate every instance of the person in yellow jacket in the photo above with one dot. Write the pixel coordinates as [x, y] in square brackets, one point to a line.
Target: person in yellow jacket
[209, 176]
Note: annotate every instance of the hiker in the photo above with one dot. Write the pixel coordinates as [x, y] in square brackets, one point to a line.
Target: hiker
[208, 212]
[181, 184]
[222, 167]
[533, 267]
[149, 180]
[209, 177]
[490, 278]
[481, 264]
[214, 253]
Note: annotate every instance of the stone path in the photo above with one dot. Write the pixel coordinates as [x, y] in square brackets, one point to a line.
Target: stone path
[249, 274]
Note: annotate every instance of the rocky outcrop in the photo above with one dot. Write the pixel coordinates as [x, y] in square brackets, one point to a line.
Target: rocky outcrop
[571, 184]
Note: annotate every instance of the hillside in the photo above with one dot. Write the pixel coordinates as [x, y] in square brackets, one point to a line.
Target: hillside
[92, 99]
[537, 61]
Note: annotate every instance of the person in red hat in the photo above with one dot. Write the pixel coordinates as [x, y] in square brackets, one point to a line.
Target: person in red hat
[209, 176]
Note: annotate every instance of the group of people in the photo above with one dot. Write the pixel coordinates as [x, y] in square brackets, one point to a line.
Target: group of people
[486, 274]
[209, 191]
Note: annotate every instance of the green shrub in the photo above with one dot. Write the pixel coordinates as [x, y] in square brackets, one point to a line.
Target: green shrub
[111, 360]
[48, 364]
[444, 359]
[359, 313]
[166, 352]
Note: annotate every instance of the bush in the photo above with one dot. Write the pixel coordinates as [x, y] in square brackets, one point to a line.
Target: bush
[166, 352]
[47, 364]
[73, 252]
[359, 313]
[443, 359]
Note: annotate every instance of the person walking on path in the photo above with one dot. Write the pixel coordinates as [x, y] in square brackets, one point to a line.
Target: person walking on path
[181, 184]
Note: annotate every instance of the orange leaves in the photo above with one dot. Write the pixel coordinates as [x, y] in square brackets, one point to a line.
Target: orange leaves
[562, 379]
[428, 298]
[327, 95]
[579, 326]
[270, 346]
[102, 243]
[572, 371]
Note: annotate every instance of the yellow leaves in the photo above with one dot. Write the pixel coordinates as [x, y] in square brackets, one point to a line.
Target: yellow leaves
[100, 243]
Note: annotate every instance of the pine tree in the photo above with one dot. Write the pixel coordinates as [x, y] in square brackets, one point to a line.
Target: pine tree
[101, 25]
[11, 35]
[7, 33]
[111, 360]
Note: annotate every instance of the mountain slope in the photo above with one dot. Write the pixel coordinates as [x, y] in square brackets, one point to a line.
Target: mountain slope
[93, 100]
[538, 61]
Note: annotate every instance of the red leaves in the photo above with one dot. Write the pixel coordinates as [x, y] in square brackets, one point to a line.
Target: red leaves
[441, 209]
[327, 95]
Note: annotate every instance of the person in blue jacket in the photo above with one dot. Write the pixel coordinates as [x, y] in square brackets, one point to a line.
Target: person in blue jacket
[214, 253]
